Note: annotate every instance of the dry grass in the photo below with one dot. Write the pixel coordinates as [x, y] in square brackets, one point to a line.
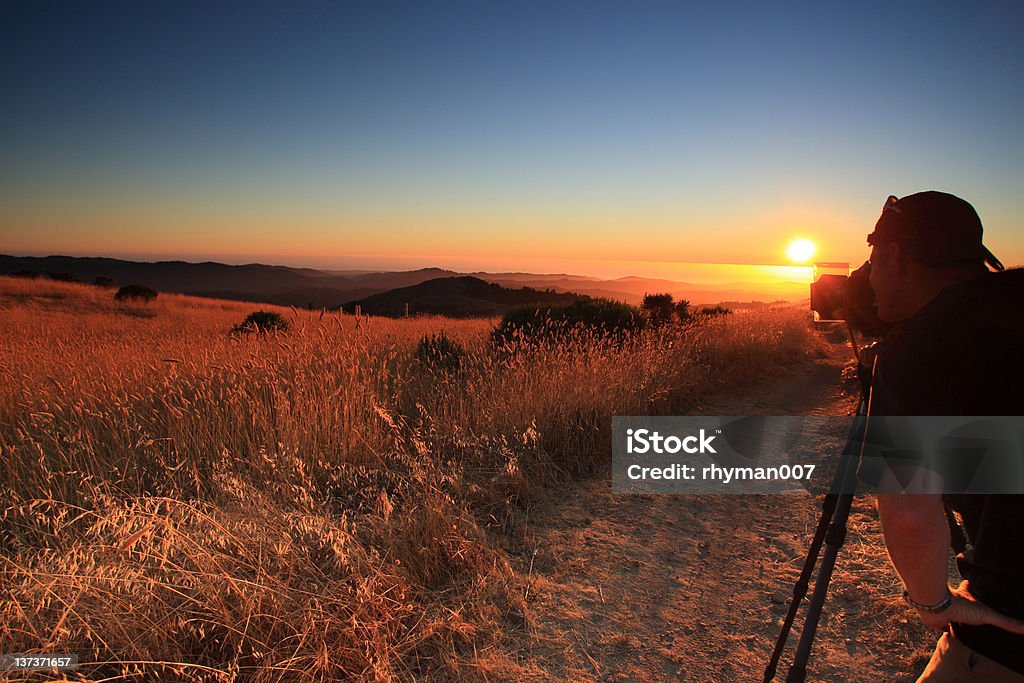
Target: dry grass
[316, 505]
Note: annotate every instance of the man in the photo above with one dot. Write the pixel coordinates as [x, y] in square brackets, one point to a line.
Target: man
[954, 350]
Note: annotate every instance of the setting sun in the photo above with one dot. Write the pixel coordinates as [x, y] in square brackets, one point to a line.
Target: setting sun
[800, 250]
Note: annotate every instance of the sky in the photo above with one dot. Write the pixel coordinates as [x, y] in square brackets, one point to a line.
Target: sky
[598, 138]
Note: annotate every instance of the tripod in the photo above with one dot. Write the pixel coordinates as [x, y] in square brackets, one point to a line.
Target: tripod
[835, 510]
[831, 531]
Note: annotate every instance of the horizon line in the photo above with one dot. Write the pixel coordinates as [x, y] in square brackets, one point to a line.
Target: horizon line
[477, 269]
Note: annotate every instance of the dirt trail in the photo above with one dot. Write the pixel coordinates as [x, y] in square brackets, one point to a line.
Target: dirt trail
[693, 588]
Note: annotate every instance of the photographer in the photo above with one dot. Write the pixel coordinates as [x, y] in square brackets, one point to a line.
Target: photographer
[953, 350]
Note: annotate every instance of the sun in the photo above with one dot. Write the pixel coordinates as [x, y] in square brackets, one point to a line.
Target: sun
[800, 250]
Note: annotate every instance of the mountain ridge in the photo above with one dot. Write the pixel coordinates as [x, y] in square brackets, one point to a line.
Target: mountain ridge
[308, 287]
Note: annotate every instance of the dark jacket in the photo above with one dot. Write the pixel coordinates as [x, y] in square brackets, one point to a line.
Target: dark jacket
[962, 355]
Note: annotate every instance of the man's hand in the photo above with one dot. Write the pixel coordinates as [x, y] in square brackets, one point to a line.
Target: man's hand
[966, 610]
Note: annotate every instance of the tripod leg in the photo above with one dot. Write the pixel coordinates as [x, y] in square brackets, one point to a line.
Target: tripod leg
[828, 507]
[835, 536]
[831, 529]
[834, 539]
[800, 587]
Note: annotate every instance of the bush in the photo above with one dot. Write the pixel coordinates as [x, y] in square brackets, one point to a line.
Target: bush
[263, 322]
[712, 311]
[135, 293]
[544, 322]
[104, 281]
[683, 310]
[62, 277]
[440, 353]
[659, 308]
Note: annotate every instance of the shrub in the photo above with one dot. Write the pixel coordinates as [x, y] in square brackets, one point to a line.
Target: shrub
[614, 318]
[263, 322]
[438, 352]
[62, 277]
[135, 293]
[712, 311]
[683, 310]
[104, 281]
[659, 307]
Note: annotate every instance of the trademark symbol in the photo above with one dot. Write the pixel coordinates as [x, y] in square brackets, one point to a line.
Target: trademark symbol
[718, 431]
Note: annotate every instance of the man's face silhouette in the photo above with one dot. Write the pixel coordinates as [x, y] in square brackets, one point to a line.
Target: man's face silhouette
[889, 279]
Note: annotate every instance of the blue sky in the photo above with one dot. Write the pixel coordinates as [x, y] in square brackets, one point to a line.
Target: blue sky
[340, 133]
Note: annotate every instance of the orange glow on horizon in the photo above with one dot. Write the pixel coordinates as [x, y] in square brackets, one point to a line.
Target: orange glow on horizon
[655, 243]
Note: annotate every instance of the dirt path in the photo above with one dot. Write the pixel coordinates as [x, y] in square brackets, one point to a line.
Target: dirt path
[693, 588]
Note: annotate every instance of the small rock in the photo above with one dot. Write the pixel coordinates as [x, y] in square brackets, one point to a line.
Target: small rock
[779, 598]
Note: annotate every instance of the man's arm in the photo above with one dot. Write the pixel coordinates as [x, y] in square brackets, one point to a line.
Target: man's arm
[917, 538]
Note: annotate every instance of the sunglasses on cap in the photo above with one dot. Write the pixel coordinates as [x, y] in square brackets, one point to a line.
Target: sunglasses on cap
[889, 205]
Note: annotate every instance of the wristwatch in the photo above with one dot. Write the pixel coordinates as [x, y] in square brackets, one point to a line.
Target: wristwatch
[940, 606]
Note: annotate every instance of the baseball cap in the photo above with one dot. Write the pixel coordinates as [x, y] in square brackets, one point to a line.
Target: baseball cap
[935, 227]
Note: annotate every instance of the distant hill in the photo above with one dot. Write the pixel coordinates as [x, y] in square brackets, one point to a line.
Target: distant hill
[256, 282]
[304, 287]
[174, 276]
[457, 297]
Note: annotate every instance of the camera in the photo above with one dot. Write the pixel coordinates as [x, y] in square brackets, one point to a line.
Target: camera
[848, 298]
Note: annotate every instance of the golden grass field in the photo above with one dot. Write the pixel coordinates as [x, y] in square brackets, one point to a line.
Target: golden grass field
[186, 503]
